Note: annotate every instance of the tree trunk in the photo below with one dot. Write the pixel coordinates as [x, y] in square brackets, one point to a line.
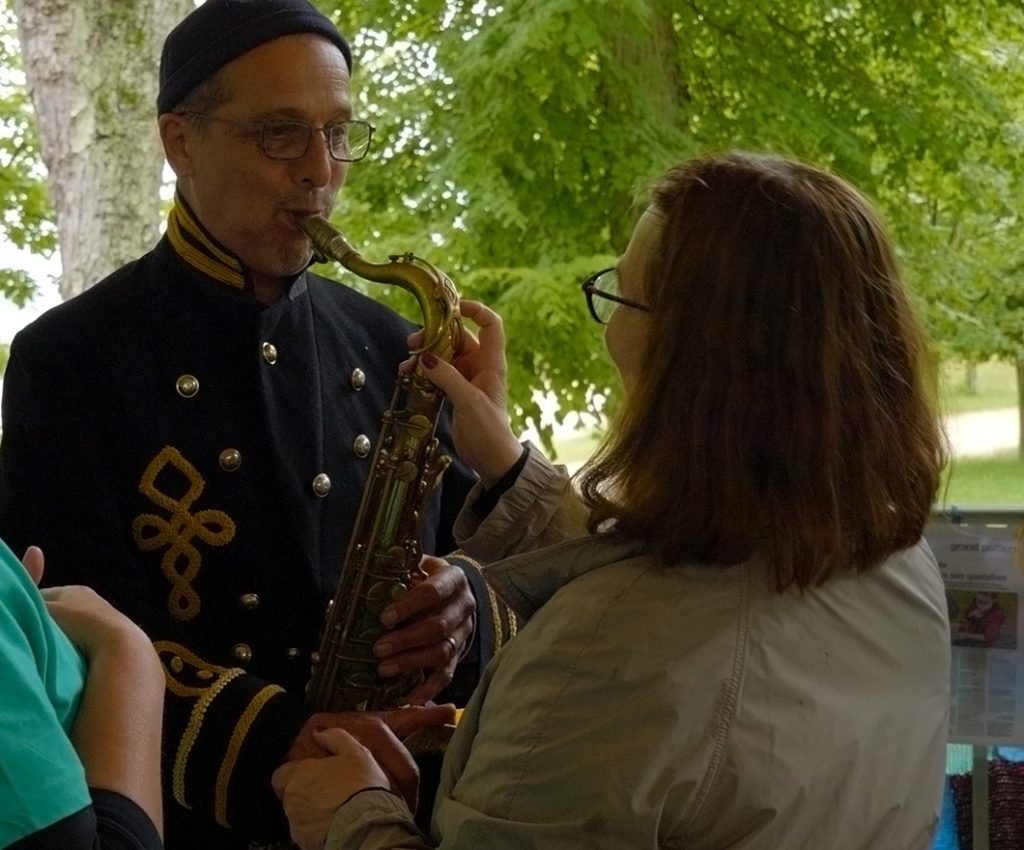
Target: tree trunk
[654, 58]
[971, 379]
[648, 53]
[91, 67]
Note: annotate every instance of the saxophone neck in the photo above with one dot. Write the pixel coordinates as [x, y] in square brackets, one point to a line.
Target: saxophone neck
[433, 289]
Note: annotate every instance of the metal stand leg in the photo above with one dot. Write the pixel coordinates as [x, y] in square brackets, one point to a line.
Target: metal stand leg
[979, 798]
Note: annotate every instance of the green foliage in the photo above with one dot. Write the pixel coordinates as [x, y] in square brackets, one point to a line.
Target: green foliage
[25, 210]
[554, 347]
[514, 140]
[957, 218]
[17, 285]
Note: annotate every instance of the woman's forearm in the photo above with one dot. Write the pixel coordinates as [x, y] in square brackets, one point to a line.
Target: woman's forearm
[117, 730]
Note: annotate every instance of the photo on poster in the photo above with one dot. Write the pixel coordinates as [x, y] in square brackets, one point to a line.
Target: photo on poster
[982, 619]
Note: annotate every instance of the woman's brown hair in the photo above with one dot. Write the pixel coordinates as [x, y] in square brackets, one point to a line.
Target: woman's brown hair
[783, 411]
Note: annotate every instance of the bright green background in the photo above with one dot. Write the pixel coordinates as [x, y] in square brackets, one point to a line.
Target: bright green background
[995, 480]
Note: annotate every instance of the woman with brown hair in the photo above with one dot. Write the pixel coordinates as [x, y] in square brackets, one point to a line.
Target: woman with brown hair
[748, 646]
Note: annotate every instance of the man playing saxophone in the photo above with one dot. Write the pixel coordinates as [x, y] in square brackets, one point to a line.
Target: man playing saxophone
[190, 437]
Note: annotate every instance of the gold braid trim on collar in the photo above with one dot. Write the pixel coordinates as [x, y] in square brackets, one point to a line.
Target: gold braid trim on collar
[195, 246]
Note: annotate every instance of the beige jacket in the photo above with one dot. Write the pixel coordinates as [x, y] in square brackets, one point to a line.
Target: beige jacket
[644, 707]
[540, 510]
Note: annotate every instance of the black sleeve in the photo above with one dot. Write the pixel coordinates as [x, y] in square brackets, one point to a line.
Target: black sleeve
[112, 822]
[496, 623]
[485, 504]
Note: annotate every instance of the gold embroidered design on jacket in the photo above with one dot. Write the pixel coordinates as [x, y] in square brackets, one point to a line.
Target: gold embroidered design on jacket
[195, 246]
[182, 560]
[188, 675]
[227, 768]
[504, 620]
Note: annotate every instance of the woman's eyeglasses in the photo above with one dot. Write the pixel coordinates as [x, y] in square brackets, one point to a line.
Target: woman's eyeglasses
[601, 290]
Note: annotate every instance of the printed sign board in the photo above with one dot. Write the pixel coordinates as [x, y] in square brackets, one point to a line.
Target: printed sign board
[981, 558]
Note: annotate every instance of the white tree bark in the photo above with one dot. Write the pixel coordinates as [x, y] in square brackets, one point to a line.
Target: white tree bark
[92, 68]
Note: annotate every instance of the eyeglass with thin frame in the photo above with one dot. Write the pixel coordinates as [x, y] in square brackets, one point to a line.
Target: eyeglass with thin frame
[602, 292]
[347, 141]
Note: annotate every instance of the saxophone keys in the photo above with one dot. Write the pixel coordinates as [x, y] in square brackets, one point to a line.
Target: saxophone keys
[419, 426]
[433, 473]
[406, 471]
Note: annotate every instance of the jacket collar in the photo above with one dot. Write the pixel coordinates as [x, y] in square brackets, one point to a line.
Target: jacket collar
[200, 250]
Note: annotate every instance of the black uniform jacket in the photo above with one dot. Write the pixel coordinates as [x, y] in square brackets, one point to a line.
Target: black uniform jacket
[197, 458]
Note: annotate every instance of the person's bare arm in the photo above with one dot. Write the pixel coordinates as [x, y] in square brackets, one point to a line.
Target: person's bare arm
[117, 731]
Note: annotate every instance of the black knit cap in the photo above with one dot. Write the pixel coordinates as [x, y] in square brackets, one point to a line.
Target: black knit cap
[221, 30]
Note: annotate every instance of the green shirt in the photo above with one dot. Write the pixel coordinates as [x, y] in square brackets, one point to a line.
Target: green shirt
[41, 680]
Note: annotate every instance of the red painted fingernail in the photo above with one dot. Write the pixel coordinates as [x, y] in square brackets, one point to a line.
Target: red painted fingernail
[429, 360]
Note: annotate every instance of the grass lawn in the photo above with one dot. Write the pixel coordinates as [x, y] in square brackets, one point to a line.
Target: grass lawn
[991, 481]
[996, 386]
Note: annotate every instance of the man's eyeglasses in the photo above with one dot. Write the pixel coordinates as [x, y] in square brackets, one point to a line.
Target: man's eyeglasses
[347, 141]
[602, 291]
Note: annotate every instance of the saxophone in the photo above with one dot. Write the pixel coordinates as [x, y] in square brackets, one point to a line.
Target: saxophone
[383, 557]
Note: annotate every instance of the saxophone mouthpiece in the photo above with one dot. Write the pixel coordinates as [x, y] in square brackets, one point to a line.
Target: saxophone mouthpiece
[301, 221]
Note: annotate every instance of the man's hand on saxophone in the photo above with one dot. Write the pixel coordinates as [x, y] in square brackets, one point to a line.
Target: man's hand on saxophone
[436, 621]
[437, 618]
